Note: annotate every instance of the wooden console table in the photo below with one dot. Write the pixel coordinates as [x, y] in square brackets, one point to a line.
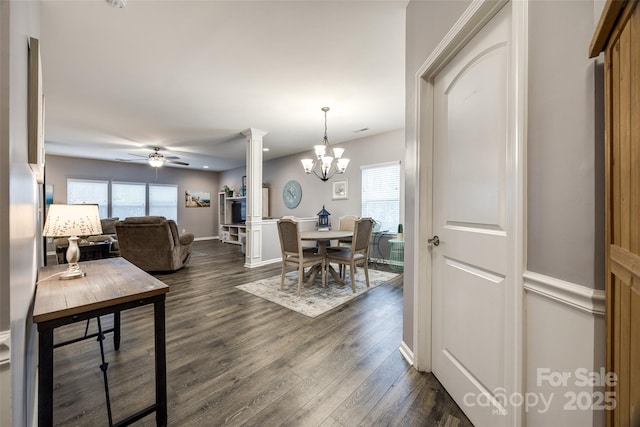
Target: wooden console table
[109, 286]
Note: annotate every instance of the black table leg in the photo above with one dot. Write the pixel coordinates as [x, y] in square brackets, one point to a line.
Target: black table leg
[116, 330]
[161, 363]
[45, 377]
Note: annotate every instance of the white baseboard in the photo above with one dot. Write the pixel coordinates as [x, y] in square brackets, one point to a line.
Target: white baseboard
[5, 377]
[197, 239]
[5, 348]
[407, 353]
[564, 335]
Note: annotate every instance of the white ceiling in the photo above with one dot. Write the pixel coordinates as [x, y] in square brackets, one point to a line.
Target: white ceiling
[189, 76]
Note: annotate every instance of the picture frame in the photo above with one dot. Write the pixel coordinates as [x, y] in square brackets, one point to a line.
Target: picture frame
[197, 199]
[340, 190]
[35, 105]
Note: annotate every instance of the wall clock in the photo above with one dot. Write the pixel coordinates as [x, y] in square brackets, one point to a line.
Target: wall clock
[292, 194]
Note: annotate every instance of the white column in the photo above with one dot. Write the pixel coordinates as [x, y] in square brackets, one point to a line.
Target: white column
[253, 248]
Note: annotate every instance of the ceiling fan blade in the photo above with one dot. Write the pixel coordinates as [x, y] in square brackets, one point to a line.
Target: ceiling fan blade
[131, 160]
[137, 155]
[176, 162]
[171, 157]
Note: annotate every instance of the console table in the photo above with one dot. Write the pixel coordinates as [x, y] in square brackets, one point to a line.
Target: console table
[109, 286]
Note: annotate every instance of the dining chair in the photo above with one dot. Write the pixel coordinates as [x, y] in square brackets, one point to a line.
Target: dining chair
[293, 253]
[358, 253]
[345, 223]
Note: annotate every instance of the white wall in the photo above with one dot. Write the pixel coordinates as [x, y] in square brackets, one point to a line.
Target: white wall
[20, 220]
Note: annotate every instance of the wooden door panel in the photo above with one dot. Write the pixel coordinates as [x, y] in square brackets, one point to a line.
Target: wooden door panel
[622, 174]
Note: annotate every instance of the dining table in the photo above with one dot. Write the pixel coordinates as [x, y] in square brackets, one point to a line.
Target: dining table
[323, 237]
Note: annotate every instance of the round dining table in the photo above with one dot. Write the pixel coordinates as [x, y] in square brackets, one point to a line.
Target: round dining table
[322, 237]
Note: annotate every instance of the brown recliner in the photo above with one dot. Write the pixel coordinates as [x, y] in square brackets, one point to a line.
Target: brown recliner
[153, 244]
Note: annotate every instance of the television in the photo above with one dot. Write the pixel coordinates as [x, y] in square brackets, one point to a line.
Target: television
[239, 211]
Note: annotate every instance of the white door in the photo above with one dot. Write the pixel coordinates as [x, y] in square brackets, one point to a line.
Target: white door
[471, 208]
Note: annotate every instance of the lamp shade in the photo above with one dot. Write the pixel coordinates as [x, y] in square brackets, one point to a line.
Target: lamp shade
[72, 220]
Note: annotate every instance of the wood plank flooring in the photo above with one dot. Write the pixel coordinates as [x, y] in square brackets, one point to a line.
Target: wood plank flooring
[236, 359]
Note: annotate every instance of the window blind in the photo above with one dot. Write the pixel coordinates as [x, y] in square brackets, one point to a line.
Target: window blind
[128, 199]
[163, 201]
[381, 194]
[80, 191]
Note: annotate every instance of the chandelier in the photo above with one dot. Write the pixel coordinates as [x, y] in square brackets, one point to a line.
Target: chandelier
[328, 160]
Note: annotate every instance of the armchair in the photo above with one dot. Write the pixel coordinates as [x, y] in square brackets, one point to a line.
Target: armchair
[153, 244]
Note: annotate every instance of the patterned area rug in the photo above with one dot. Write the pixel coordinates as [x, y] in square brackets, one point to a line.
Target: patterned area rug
[315, 300]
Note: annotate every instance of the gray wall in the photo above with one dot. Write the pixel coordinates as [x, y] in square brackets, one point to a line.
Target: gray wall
[565, 176]
[276, 173]
[427, 24]
[20, 222]
[202, 222]
[564, 148]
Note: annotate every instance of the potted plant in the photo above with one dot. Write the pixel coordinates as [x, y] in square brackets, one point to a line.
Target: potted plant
[228, 191]
[400, 235]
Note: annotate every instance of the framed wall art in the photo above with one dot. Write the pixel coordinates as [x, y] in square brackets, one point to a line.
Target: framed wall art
[340, 190]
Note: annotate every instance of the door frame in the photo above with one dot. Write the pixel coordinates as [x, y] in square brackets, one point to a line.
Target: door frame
[467, 26]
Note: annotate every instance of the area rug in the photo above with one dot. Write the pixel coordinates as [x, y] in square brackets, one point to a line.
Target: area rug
[315, 300]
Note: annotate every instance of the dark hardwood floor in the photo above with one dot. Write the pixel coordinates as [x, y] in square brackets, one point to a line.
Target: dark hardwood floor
[236, 359]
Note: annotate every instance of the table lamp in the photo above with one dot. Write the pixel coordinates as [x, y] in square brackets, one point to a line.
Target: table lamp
[72, 221]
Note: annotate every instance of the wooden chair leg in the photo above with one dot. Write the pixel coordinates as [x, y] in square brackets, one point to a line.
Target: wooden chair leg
[282, 277]
[300, 276]
[366, 272]
[352, 276]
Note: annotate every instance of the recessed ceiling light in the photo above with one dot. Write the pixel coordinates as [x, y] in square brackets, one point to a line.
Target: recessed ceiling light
[265, 149]
[360, 130]
[206, 167]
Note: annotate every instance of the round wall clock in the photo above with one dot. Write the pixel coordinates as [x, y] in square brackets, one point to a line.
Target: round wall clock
[292, 194]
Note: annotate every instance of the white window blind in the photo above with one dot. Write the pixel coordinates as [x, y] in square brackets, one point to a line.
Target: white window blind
[128, 199]
[163, 201]
[381, 194]
[89, 191]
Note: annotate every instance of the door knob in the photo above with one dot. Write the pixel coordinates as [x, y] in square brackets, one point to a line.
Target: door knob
[435, 241]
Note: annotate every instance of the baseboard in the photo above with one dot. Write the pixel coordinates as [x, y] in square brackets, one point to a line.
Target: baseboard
[5, 348]
[5, 377]
[197, 239]
[406, 352]
[263, 263]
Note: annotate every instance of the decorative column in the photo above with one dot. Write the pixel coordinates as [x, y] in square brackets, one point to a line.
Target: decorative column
[253, 247]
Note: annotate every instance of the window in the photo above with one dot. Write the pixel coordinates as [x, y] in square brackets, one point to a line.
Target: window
[381, 194]
[128, 199]
[89, 191]
[163, 201]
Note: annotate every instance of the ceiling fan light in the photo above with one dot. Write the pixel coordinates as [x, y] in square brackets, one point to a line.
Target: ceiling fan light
[156, 163]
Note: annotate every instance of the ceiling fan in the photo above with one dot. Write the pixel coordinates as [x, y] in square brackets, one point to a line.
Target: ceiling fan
[155, 159]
